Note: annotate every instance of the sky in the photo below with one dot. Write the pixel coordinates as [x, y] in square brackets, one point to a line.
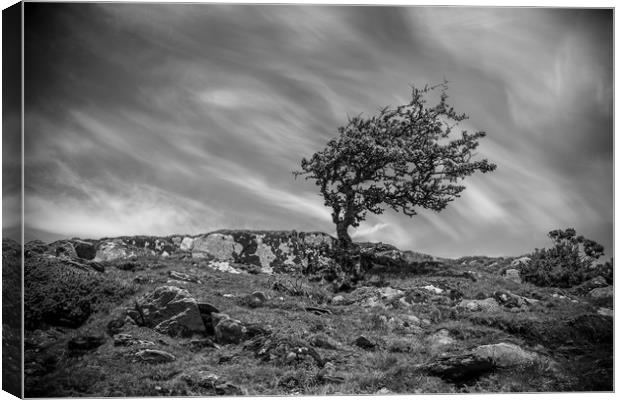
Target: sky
[186, 118]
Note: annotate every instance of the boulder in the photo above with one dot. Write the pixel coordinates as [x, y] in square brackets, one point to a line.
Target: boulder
[216, 245]
[602, 292]
[520, 261]
[151, 356]
[605, 312]
[364, 343]
[172, 311]
[506, 355]
[486, 305]
[186, 244]
[111, 250]
[513, 275]
[459, 368]
[85, 250]
[227, 330]
[256, 299]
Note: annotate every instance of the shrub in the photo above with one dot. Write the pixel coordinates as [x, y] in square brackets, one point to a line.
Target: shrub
[567, 264]
[60, 294]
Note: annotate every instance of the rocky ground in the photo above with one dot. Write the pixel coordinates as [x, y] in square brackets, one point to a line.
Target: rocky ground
[217, 319]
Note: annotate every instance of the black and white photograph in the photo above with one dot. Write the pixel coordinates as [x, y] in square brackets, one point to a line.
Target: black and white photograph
[221, 199]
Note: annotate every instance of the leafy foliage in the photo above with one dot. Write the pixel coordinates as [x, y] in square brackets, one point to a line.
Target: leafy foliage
[402, 158]
[567, 264]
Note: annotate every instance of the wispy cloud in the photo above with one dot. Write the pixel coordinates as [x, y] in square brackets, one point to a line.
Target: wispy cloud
[161, 118]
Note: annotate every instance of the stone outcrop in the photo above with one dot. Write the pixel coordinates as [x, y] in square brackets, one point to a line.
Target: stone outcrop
[172, 311]
[265, 251]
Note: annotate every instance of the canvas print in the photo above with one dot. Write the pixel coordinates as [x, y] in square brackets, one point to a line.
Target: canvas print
[252, 199]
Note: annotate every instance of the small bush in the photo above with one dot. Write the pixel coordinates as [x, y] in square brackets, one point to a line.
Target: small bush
[60, 294]
[567, 264]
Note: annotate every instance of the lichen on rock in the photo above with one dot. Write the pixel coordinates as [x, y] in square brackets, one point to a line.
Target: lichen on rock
[219, 246]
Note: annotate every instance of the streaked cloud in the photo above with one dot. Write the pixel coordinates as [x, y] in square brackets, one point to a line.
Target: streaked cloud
[165, 118]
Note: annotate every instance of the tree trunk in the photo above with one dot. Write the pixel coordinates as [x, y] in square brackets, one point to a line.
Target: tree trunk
[344, 240]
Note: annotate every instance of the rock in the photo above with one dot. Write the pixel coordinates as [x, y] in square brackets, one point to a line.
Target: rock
[85, 250]
[206, 310]
[172, 311]
[513, 275]
[256, 299]
[123, 339]
[511, 300]
[606, 312]
[486, 305]
[328, 374]
[433, 289]
[223, 266]
[459, 368]
[339, 300]
[506, 355]
[63, 249]
[204, 379]
[228, 389]
[323, 341]
[389, 293]
[602, 292]
[151, 356]
[383, 391]
[180, 276]
[364, 343]
[589, 285]
[115, 325]
[186, 244]
[111, 250]
[216, 245]
[441, 338]
[227, 330]
[520, 261]
[85, 343]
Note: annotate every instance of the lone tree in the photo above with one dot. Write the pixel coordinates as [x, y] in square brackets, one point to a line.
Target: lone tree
[402, 158]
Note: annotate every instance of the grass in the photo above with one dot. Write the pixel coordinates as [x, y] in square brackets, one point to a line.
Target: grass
[111, 370]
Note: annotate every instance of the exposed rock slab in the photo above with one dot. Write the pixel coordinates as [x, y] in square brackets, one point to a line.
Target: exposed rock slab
[172, 311]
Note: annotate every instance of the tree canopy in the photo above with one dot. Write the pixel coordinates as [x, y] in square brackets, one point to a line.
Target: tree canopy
[401, 158]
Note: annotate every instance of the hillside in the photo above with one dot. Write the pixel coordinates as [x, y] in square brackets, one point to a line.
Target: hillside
[245, 313]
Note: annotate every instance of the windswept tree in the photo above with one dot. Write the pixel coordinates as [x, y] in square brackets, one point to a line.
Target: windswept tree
[402, 158]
